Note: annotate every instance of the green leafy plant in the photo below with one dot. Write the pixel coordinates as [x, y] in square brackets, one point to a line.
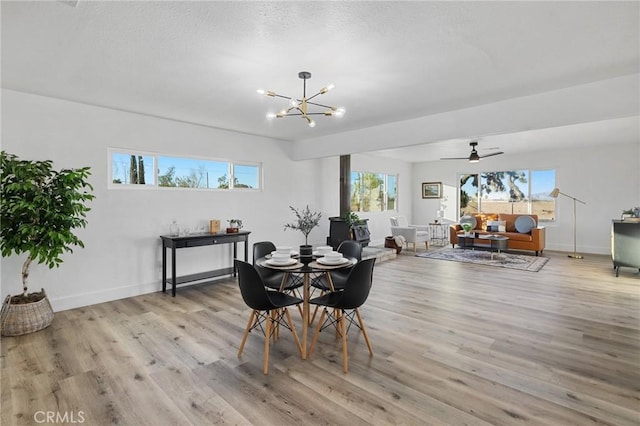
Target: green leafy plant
[466, 227]
[40, 208]
[351, 218]
[235, 223]
[306, 220]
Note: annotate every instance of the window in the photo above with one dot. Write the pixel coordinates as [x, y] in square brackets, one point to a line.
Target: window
[246, 176]
[373, 192]
[513, 191]
[542, 204]
[133, 169]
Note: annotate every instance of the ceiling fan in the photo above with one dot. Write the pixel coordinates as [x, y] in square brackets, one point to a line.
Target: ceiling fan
[473, 157]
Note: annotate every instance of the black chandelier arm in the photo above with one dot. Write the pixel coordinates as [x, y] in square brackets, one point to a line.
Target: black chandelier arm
[317, 94]
[297, 113]
[320, 105]
[280, 96]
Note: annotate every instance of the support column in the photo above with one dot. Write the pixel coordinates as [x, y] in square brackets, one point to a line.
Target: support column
[345, 184]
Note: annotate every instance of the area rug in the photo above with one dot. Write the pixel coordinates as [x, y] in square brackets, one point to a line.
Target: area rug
[483, 257]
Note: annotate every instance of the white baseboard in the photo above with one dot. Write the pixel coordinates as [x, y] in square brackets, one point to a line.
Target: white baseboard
[114, 293]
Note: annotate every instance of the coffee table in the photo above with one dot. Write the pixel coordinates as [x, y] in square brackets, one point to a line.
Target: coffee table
[495, 243]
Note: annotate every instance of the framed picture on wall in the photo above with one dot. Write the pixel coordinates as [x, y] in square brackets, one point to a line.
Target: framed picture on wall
[431, 189]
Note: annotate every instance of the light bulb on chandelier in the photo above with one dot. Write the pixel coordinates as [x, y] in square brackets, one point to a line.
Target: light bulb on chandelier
[301, 106]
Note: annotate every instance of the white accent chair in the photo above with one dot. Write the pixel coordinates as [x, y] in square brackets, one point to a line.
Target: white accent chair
[411, 233]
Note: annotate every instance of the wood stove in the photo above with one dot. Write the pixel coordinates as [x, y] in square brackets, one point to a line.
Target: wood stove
[340, 230]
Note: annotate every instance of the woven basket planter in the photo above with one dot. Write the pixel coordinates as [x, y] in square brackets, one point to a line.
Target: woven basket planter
[16, 320]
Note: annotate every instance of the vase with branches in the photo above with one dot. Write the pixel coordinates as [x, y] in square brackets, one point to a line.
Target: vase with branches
[306, 220]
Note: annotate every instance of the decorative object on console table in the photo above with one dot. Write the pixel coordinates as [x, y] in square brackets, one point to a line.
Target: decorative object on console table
[554, 194]
[631, 214]
[235, 225]
[174, 229]
[431, 189]
[214, 226]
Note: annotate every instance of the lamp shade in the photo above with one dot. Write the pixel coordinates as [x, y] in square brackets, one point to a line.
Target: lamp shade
[555, 192]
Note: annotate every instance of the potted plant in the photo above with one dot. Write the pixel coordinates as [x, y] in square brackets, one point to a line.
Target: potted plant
[40, 208]
[467, 228]
[235, 225]
[306, 220]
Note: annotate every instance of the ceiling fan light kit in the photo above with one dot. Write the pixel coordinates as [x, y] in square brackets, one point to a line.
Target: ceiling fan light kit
[474, 157]
[300, 107]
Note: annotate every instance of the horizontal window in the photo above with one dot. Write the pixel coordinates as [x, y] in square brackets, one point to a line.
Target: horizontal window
[133, 169]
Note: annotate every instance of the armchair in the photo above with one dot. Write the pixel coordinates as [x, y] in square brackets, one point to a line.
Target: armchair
[411, 233]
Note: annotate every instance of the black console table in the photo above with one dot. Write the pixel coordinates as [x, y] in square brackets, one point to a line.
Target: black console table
[199, 240]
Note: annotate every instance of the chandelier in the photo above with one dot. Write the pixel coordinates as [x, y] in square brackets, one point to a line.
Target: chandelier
[300, 107]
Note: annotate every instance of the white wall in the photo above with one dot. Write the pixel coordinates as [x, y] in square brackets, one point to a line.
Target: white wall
[606, 177]
[123, 252]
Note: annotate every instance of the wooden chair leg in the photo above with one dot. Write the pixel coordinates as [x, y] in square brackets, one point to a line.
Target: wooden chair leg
[267, 338]
[364, 331]
[246, 332]
[293, 330]
[315, 335]
[345, 355]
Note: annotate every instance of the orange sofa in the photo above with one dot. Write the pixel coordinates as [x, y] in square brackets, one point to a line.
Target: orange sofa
[533, 240]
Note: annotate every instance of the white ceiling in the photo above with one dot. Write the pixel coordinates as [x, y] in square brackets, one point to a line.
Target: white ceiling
[201, 62]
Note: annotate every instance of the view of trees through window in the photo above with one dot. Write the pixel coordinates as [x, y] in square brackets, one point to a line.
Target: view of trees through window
[177, 172]
[514, 191]
[373, 192]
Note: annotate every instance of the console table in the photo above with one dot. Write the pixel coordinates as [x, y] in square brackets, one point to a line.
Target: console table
[199, 240]
[625, 244]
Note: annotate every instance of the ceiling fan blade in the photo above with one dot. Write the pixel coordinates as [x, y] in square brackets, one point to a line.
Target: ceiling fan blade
[492, 154]
[455, 158]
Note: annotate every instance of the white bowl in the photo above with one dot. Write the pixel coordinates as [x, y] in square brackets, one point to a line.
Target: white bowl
[280, 257]
[333, 256]
[284, 250]
[324, 249]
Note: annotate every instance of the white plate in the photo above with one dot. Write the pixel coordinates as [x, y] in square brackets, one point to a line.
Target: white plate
[289, 262]
[324, 261]
[317, 253]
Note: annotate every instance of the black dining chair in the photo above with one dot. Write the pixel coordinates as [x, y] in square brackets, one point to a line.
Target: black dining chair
[348, 248]
[346, 304]
[269, 308]
[276, 280]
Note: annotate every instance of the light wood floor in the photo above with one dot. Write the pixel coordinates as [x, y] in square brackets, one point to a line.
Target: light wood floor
[454, 344]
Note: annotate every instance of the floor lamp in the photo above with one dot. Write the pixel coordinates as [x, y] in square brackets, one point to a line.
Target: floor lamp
[554, 194]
